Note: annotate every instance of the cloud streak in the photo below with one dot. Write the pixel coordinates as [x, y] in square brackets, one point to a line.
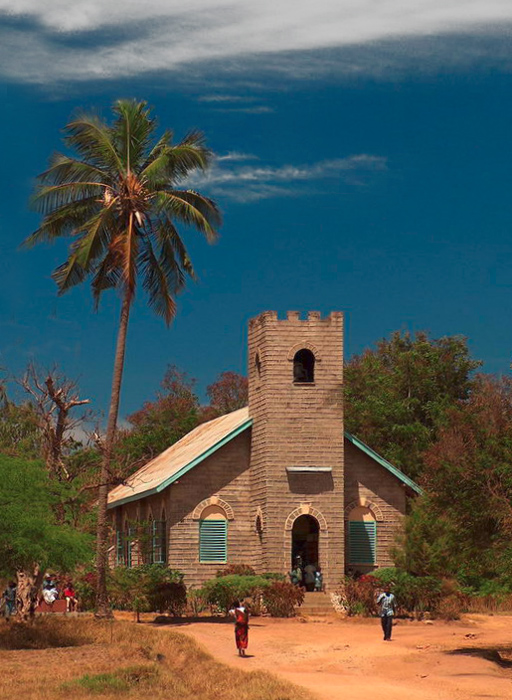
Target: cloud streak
[59, 41]
[248, 183]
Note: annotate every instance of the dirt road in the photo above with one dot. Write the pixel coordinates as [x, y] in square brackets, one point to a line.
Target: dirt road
[348, 660]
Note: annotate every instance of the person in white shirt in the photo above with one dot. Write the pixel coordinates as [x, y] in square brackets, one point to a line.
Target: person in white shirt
[387, 602]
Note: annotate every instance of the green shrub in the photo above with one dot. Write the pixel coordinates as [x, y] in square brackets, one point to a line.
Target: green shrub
[222, 591]
[148, 588]
[414, 594]
[120, 681]
[196, 601]
[101, 683]
[281, 598]
[272, 576]
[360, 594]
[236, 570]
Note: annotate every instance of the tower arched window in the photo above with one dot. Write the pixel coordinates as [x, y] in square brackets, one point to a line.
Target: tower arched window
[304, 367]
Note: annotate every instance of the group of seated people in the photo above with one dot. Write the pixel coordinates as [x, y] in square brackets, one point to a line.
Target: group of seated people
[308, 576]
[51, 593]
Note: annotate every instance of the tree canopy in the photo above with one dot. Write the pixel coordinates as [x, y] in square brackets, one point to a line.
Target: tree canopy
[397, 395]
[29, 530]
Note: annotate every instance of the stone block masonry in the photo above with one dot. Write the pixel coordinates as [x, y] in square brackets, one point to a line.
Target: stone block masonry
[297, 425]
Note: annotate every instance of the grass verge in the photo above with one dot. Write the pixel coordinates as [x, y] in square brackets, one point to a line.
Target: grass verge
[110, 660]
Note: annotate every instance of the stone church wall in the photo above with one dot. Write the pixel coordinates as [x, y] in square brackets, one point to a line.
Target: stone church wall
[369, 484]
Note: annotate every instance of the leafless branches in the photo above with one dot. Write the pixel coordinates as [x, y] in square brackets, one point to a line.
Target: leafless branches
[54, 399]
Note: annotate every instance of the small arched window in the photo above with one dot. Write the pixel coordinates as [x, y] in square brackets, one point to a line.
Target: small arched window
[304, 367]
[213, 535]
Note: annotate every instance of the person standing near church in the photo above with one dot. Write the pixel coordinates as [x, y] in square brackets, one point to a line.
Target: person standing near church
[387, 603]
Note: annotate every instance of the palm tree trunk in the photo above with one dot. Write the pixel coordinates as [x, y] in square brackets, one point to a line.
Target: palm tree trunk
[102, 603]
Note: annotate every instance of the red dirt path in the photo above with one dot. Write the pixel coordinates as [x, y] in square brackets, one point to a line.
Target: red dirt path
[348, 660]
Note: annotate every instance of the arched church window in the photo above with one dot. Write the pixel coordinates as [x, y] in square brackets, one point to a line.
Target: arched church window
[362, 536]
[304, 367]
[213, 535]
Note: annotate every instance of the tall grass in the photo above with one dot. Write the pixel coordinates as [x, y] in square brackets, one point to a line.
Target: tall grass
[117, 659]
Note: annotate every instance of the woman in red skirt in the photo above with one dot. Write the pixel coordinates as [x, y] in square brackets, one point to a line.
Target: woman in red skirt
[241, 615]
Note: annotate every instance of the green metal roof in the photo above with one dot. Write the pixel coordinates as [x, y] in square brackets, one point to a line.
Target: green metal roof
[240, 429]
[181, 472]
[383, 462]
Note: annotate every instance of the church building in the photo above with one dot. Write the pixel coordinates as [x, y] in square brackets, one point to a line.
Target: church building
[276, 480]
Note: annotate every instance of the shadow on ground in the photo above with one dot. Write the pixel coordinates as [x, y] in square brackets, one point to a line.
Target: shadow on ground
[501, 656]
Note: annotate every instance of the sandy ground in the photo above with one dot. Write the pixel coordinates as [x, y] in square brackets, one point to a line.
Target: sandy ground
[348, 660]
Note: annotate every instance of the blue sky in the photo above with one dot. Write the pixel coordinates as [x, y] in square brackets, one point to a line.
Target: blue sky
[363, 164]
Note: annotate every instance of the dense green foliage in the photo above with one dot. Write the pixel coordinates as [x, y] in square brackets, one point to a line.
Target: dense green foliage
[145, 588]
[397, 395]
[463, 526]
[222, 591]
[20, 435]
[29, 529]
[415, 595]
[418, 402]
[267, 592]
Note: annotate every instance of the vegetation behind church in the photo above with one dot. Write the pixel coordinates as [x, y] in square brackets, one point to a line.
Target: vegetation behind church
[416, 400]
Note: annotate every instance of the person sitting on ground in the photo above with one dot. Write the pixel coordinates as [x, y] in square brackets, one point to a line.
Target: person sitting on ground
[10, 600]
[309, 577]
[70, 596]
[319, 580]
[387, 602]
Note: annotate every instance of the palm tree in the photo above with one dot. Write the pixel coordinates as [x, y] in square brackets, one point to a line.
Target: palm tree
[119, 201]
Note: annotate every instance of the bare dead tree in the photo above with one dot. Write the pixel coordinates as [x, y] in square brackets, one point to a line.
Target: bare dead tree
[54, 397]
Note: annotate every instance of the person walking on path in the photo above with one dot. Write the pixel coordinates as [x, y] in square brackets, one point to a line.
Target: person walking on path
[241, 615]
[387, 602]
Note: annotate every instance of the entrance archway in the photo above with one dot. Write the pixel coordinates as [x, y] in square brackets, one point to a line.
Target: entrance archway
[305, 536]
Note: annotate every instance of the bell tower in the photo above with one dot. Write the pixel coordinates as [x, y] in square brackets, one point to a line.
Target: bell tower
[295, 402]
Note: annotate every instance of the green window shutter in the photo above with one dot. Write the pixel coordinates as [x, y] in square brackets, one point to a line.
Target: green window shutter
[213, 541]
[362, 542]
[129, 547]
[159, 542]
[119, 548]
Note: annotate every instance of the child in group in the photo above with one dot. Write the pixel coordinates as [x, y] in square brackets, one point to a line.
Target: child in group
[319, 580]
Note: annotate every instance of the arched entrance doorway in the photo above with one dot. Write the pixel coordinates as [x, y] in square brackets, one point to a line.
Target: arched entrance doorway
[305, 536]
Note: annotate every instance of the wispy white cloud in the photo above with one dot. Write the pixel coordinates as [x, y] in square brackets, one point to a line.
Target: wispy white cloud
[247, 183]
[226, 98]
[261, 109]
[236, 156]
[58, 40]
